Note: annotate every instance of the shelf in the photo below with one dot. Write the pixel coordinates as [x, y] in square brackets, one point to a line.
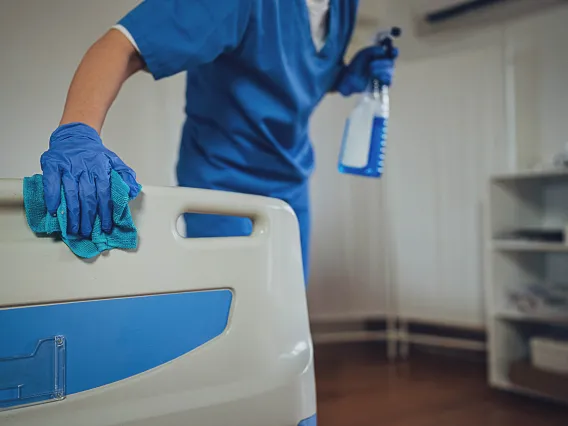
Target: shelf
[511, 315]
[516, 203]
[513, 245]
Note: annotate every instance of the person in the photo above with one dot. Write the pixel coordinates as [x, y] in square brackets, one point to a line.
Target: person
[256, 70]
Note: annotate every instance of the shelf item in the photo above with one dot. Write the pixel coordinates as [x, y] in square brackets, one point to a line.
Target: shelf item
[541, 300]
[550, 355]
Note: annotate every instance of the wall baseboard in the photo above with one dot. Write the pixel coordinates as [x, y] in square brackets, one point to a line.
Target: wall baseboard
[401, 335]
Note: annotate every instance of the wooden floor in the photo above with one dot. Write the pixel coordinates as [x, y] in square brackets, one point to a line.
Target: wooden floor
[358, 387]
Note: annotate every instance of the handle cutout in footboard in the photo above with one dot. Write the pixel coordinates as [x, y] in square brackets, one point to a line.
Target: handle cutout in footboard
[199, 225]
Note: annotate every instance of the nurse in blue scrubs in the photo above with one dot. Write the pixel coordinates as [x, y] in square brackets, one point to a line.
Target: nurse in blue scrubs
[256, 70]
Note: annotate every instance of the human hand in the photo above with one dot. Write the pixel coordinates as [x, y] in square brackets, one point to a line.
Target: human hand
[371, 63]
[78, 161]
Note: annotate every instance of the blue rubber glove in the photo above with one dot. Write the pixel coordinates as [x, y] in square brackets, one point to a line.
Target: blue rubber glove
[78, 160]
[368, 64]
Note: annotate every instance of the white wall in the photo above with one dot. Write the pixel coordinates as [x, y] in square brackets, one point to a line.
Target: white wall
[539, 64]
[42, 42]
[348, 250]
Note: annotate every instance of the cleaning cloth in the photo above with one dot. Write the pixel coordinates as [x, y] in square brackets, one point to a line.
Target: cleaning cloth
[123, 235]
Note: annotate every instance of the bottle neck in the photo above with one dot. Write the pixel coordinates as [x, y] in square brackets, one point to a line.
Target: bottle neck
[378, 95]
[376, 90]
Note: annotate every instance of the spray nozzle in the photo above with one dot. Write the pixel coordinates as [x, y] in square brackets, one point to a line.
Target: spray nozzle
[385, 39]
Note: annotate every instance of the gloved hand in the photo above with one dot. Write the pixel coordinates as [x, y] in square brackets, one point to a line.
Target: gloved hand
[78, 159]
[370, 63]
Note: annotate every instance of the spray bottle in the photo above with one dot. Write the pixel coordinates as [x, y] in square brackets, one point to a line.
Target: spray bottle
[365, 135]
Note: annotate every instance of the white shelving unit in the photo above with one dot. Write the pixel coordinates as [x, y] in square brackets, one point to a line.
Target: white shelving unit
[523, 201]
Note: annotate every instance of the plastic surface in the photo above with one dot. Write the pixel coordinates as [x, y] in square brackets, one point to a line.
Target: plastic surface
[364, 143]
[312, 421]
[35, 377]
[363, 150]
[257, 372]
[111, 340]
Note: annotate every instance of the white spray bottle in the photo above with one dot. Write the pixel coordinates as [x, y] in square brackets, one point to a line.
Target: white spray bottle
[365, 135]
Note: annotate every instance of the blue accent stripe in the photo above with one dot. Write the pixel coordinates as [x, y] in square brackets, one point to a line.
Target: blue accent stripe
[312, 421]
[111, 340]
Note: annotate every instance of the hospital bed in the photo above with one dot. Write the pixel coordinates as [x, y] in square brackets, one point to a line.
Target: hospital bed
[201, 332]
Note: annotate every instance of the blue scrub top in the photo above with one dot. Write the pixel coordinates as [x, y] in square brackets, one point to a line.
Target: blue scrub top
[254, 78]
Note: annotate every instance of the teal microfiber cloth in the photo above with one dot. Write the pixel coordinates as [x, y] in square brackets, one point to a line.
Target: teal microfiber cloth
[123, 235]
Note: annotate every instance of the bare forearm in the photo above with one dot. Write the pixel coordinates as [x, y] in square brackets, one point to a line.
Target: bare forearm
[97, 81]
